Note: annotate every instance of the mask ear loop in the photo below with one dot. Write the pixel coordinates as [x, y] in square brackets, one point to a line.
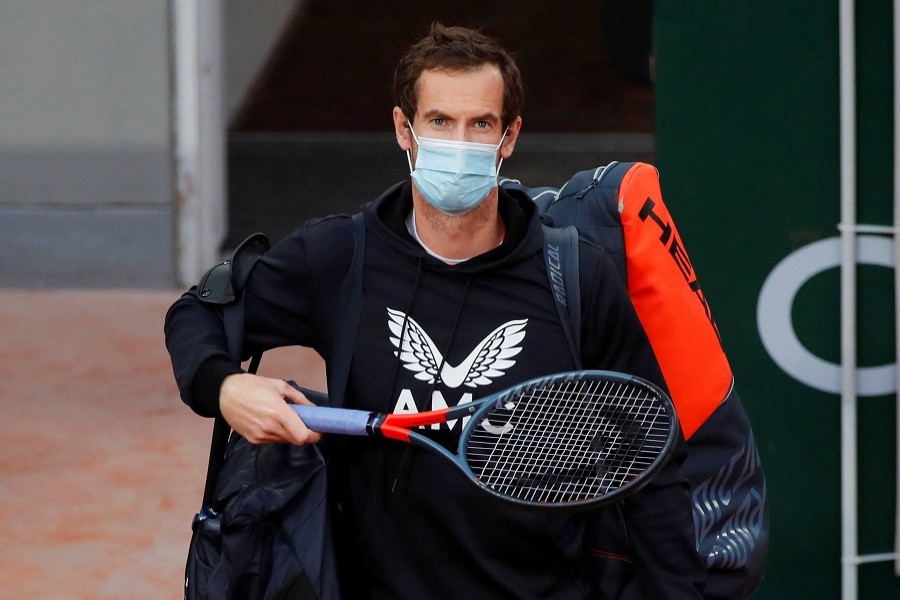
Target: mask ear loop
[505, 131]
[408, 156]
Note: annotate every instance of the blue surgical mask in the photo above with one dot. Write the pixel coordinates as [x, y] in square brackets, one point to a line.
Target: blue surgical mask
[454, 176]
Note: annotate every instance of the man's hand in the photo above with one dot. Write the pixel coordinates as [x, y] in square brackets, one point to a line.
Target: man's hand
[257, 408]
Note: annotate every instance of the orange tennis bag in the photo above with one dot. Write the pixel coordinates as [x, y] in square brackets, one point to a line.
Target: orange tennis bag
[620, 207]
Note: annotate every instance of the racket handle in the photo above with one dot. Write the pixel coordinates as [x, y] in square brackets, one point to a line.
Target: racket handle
[344, 421]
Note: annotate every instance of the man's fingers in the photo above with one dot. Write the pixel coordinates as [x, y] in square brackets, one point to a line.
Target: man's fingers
[258, 408]
[285, 427]
[293, 395]
[295, 431]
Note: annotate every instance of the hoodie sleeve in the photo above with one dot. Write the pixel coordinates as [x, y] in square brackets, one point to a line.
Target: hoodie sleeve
[285, 304]
[658, 519]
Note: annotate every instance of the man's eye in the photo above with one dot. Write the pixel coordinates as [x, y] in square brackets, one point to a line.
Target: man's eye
[482, 124]
[438, 122]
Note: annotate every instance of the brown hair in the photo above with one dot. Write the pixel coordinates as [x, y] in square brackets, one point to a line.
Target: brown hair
[456, 49]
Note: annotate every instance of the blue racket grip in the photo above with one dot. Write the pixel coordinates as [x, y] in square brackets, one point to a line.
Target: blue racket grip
[344, 421]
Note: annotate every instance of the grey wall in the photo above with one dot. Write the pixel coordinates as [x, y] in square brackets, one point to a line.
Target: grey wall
[86, 174]
[251, 32]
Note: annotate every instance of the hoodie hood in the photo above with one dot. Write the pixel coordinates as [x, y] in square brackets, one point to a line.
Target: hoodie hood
[387, 215]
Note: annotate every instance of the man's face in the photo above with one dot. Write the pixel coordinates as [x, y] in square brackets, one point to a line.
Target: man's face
[459, 105]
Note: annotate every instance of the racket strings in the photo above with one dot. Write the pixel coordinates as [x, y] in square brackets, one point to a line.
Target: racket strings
[570, 441]
[566, 463]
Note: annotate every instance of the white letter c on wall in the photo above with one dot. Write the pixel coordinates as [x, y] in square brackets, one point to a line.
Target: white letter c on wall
[776, 328]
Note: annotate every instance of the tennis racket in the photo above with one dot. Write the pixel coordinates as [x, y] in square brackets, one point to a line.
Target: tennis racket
[568, 440]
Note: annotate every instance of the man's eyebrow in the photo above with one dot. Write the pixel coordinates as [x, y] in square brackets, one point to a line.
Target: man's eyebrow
[488, 116]
[435, 114]
[439, 114]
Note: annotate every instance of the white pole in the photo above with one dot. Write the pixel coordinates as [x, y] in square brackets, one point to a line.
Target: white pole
[847, 43]
[199, 135]
[897, 270]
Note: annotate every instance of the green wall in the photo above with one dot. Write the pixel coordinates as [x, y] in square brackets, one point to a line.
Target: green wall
[748, 146]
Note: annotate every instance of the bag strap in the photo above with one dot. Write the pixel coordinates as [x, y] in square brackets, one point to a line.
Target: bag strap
[561, 258]
[351, 301]
[221, 429]
[234, 332]
[229, 291]
[350, 311]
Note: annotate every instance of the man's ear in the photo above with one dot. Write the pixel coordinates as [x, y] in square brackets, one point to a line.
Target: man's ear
[401, 129]
[509, 142]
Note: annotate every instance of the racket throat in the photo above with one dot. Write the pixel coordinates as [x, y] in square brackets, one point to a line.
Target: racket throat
[383, 425]
[399, 426]
[373, 426]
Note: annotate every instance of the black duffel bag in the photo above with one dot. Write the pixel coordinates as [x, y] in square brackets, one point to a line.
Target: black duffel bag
[266, 533]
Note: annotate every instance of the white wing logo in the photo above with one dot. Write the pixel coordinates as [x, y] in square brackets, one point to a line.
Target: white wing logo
[489, 360]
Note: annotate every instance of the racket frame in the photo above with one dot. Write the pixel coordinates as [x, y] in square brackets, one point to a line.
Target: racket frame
[402, 427]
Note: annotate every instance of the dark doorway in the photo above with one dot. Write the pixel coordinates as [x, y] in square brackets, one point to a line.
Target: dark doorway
[315, 136]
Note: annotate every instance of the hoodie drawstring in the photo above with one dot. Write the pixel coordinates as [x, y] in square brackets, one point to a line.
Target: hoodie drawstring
[404, 468]
[380, 475]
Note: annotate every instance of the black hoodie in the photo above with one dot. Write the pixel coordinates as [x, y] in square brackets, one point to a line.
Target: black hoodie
[425, 532]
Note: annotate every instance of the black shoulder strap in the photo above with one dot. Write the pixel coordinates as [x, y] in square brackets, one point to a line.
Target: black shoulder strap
[561, 258]
[228, 289]
[234, 330]
[351, 309]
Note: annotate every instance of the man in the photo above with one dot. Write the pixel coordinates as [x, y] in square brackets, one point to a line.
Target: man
[451, 262]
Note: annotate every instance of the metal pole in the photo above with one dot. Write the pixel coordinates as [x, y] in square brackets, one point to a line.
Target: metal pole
[199, 135]
[896, 13]
[849, 567]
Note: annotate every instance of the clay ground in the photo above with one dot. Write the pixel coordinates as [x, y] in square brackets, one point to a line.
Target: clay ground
[102, 466]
